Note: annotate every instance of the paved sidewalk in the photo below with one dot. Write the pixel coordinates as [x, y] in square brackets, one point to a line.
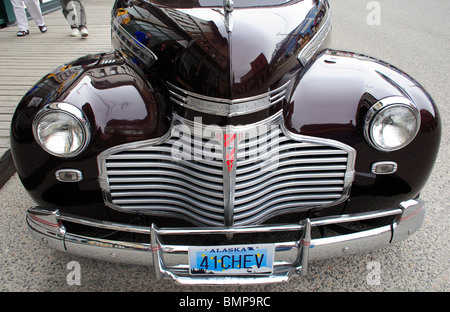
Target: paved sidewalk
[23, 61]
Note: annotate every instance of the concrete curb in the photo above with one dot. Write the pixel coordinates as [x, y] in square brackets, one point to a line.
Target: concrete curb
[7, 168]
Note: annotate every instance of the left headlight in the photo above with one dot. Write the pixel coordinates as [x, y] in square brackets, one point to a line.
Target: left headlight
[392, 123]
[61, 129]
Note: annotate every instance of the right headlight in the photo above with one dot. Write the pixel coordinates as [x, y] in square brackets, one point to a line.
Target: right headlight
[392, 123]
[61, 129]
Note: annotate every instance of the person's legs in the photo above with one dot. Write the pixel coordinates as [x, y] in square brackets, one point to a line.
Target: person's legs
[34, 9]
[82, 12]
[74, 12]
[81, 17]
[21, 16]
[70, 15]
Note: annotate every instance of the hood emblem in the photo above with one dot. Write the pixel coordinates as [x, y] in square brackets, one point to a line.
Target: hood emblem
[228, 8]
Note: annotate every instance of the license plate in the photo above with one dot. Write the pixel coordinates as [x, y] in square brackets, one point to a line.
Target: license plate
[232, 259]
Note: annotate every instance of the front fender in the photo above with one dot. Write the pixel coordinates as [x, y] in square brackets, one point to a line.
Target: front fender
[331, 98]
[121, 107]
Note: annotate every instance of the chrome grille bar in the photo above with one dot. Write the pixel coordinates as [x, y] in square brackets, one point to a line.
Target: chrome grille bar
[224, 107]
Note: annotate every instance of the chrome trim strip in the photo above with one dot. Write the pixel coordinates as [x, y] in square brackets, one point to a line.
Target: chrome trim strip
[315, 43]
[229, 150]
[345, 218]
[55, 218]
[133, 46]
[228, 7]
[226, 107]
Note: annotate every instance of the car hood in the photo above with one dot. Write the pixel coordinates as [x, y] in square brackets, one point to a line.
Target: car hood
[210, 51]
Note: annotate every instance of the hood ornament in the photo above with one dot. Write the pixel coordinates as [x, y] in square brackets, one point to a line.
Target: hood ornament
[228, 7]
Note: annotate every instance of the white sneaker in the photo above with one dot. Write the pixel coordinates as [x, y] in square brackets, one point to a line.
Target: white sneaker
[84, 32]
[75, 32]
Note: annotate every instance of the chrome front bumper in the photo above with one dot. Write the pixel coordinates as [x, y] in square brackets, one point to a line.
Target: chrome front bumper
[171, 261]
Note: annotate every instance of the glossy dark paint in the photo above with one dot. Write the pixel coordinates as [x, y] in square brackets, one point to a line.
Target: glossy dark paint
[196, 52]
[127, 101]
[121, 107]
[330, 100]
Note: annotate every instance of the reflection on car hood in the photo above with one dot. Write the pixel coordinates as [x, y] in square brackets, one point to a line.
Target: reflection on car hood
[190, 45]
[220, 3]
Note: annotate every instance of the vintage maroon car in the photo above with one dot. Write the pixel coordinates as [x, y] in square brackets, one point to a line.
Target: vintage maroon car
[224, 143]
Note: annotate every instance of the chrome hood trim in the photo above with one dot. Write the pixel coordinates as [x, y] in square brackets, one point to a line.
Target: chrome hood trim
[228, 7]
[225, 107]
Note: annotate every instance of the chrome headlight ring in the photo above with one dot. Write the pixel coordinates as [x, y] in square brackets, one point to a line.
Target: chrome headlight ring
[62, 130]
[391, 123]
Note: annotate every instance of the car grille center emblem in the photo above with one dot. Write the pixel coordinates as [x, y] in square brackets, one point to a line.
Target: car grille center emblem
[229, 144]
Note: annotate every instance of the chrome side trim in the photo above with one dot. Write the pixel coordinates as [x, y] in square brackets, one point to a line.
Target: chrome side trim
[225, 107]
[316, 42]
[171, 261]
[56, 217]
[130, 45]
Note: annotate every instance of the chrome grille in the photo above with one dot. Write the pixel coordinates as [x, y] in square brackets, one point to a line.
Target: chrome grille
[273, 173]
[148, 179]
[295, 176]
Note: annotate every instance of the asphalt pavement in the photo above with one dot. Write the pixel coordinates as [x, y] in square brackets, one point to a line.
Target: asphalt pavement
[411, 34]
